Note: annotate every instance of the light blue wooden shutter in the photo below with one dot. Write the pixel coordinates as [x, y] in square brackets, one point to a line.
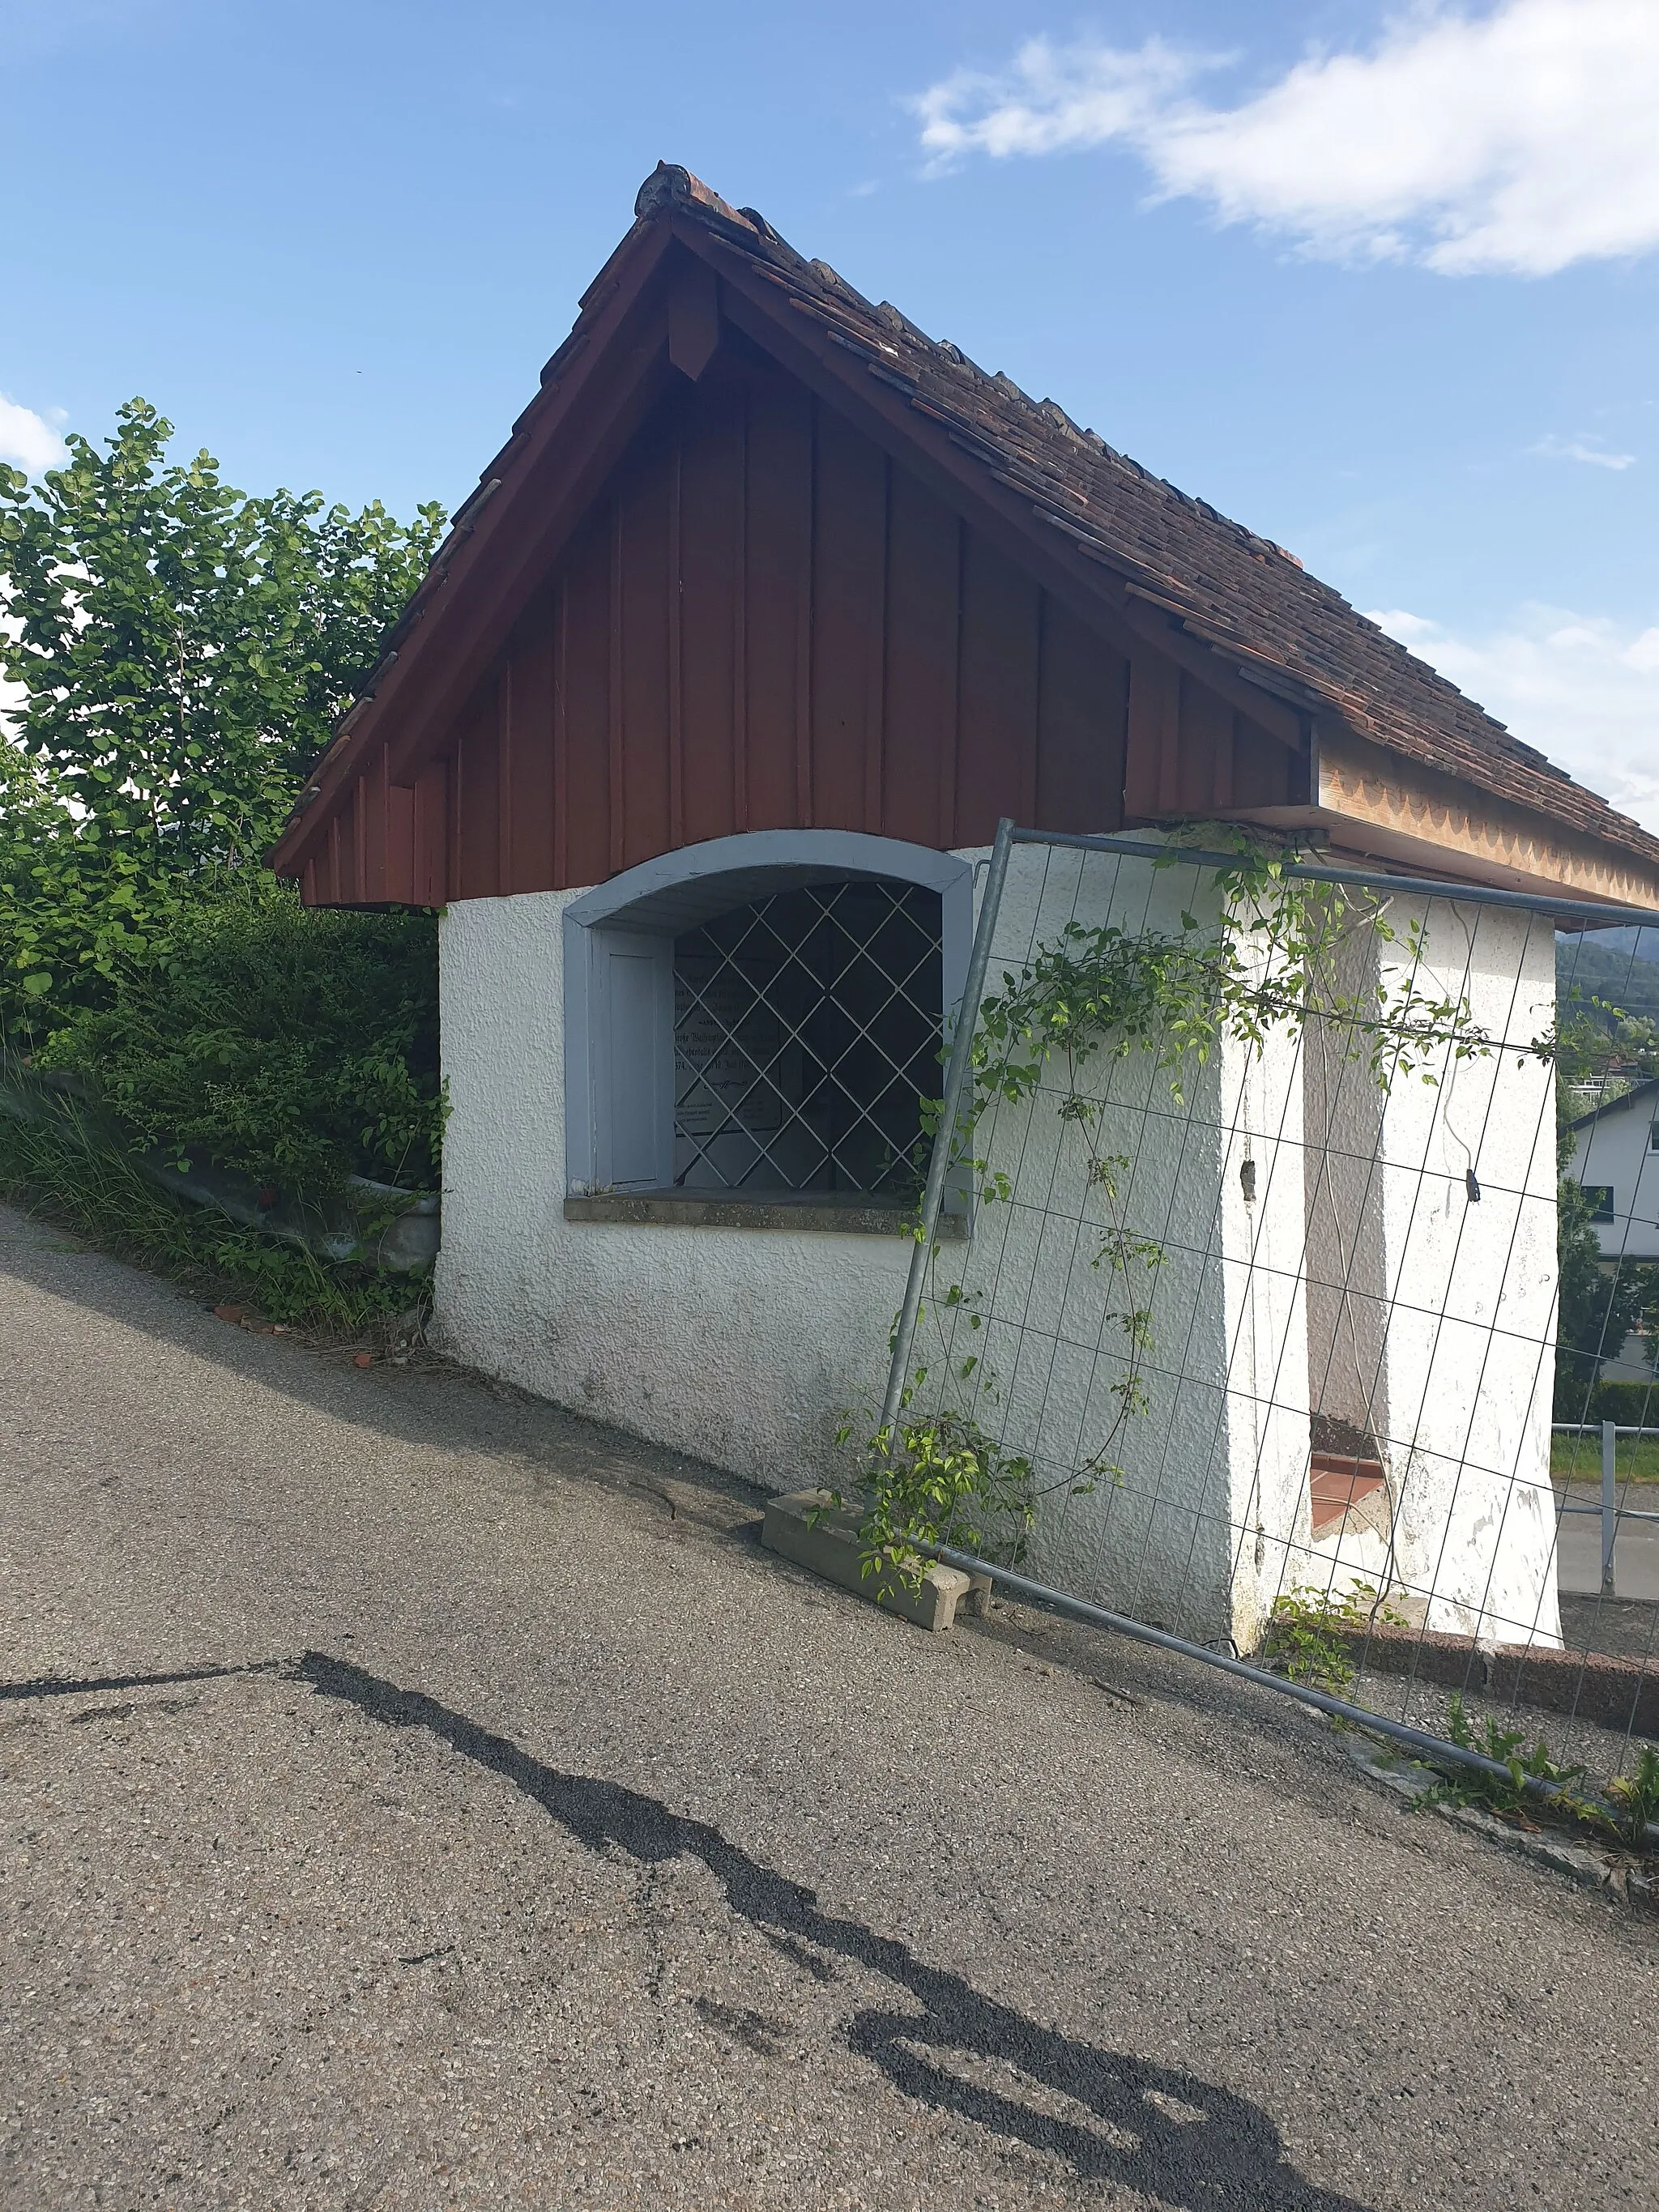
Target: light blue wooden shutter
[633, 1007]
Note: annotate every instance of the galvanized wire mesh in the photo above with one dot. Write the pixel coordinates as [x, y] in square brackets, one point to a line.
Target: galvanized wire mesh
[1262, 1318]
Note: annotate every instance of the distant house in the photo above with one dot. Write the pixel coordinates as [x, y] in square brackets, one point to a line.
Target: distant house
[769, 609]
[1615, 1157]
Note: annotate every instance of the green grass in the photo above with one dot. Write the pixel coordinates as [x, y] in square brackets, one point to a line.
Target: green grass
[60, 1171]
[1635, 1459]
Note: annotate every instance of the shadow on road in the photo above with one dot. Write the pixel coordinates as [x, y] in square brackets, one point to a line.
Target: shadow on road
[1152, 2129]
[434, 1406]
[1149, 2128]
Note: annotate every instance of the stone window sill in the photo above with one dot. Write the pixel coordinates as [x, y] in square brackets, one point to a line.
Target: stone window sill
[839, 1214]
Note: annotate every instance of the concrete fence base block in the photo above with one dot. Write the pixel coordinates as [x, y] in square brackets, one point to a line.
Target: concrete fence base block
[830, 1547]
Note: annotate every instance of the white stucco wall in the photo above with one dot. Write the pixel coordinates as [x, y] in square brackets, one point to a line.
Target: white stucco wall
[744, 1346]
[1192, 1533]
[1347, 1308]
[1471, 1286]
[736, 1346]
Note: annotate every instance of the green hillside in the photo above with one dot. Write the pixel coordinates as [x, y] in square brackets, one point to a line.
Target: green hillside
[1618, 973]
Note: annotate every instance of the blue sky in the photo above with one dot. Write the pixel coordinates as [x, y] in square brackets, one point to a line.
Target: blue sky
[1383, 283]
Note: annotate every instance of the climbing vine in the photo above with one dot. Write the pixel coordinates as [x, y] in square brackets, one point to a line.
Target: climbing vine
[1092, 996]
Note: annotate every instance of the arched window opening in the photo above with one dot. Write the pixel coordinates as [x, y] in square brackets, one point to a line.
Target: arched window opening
[762, 1017]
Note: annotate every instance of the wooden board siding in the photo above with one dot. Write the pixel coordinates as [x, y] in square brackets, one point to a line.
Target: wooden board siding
[767, 623]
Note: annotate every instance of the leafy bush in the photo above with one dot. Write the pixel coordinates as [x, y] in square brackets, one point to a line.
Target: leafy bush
[180, 651]
[1309, 1634]
[1625, 1810]
[1631, 1405]
[1507, 1794]
[295, 1047]
[1597, 1310]
[1636, 1800]
[942, 1481]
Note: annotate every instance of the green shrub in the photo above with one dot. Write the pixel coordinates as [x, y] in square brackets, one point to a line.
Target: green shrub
[1506, 1794]
[1308, 1634]
[1633, 1405]
[1596, 1312]
[180, 651]
[295, 1047]
[1636, 1800]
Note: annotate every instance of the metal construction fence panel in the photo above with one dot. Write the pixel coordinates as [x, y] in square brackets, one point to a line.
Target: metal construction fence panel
[1253, 1343]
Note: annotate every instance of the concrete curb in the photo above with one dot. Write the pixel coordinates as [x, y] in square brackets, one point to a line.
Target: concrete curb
[1614, 1871]
[1616, 1693]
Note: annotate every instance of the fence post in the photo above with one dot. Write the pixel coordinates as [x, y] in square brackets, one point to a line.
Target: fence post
[1609, 1504]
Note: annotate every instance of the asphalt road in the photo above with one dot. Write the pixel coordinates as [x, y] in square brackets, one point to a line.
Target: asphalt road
[411, 1796]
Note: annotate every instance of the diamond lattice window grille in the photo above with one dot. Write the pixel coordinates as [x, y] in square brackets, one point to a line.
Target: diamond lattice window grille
[806, 1034]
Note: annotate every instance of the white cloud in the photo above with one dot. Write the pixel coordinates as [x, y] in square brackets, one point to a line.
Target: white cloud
[1408, 627]
[1519, 140]
[1583, 689]
[1052, 99]
[27, 440]
[1579, 449]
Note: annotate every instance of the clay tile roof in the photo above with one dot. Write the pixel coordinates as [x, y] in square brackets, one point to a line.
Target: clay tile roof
[1230, 588]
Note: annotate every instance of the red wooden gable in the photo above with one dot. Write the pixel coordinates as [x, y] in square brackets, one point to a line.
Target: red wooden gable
[711, 594]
